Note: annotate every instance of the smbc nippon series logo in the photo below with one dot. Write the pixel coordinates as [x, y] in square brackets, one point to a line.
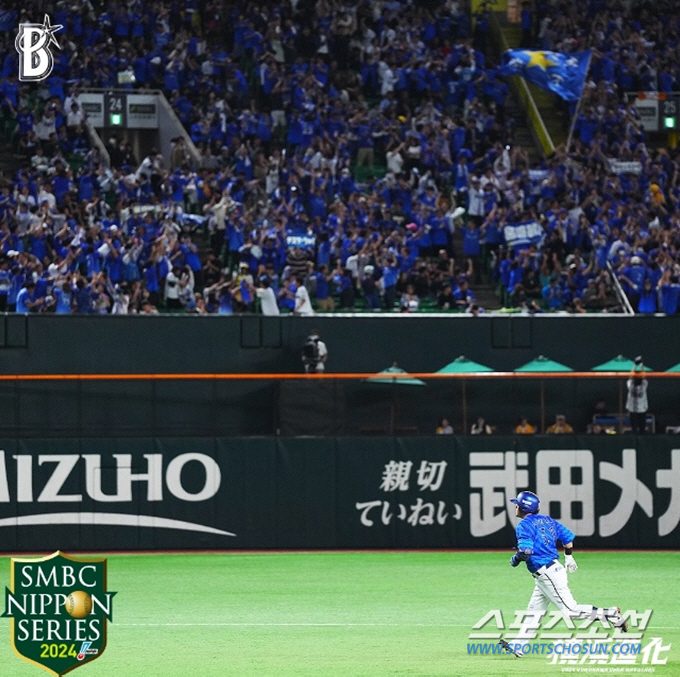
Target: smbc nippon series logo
[58, 606]
[33, 44]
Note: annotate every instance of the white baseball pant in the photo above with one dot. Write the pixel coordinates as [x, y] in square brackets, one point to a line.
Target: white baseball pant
[552, 585]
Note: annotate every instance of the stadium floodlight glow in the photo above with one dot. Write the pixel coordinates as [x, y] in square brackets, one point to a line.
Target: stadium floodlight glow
[116, 119]
[669, 122]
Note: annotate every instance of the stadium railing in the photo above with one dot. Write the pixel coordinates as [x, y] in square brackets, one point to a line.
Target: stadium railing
[620, 295]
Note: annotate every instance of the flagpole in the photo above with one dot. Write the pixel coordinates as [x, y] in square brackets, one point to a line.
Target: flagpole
[578, 106]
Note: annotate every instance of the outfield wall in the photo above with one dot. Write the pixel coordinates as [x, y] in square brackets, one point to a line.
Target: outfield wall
[48, 344]
[38, 344]
[401, 492]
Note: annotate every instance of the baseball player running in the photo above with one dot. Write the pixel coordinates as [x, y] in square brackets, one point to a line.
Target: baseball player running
[537, 537]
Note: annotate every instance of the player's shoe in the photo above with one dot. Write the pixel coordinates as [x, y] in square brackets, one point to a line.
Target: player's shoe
[517, 653]
[619, 621]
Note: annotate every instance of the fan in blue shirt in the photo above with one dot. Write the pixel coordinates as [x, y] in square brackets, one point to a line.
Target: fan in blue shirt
[64, 299]
[27, 299]
[5, 284]
[670, 294]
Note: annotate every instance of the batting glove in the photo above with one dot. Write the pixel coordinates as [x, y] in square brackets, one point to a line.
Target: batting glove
[570, 563]
[514, 561]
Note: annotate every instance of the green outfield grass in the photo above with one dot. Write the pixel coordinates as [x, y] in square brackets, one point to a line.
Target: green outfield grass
[343, 613]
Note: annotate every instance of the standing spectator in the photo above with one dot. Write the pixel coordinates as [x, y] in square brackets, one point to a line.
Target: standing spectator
[324, 300]
[636, 403]
[267, 298]
[172, 289]
[83, 297]
[369, 288]
[121, 300]
[303, 304]
[648, 299]
[472, 248]
[27, 300]
[476, 202]
[409, 300]
[669, 292]
[5, 284]
[552, 294]
[632, 279]
[179, 154]
[389, 279]
[365, 143]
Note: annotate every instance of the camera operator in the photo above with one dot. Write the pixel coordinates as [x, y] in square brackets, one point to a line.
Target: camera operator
[314, 354]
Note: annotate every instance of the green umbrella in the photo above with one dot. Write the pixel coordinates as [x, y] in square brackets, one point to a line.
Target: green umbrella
[619, 363]
[461, 365]
[538, 365]
[544, 364]
[674, 369]
[384, 377]
[623, 364]
[387, 376]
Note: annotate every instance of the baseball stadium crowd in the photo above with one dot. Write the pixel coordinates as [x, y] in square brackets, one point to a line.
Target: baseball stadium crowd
[350, 157]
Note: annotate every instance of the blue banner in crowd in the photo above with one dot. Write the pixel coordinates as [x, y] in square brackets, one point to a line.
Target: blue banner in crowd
[537, 175]
[523, 234]
[563, 74]
[621, 167]
[302, 241]
[195, 219]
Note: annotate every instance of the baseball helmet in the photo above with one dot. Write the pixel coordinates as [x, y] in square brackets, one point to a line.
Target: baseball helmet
[527, 501]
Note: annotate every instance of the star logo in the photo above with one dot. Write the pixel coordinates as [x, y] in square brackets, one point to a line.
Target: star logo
[50, 30]
[540, 59]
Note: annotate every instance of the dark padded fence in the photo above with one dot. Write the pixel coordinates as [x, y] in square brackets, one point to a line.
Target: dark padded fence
[48, 344]
[334, 492]
[215, 408]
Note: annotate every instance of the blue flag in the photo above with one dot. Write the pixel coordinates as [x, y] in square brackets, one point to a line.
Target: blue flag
[563, 74]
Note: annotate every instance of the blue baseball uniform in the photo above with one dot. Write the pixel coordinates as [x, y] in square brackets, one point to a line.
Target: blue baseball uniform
[537, 537]
[540, 533]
